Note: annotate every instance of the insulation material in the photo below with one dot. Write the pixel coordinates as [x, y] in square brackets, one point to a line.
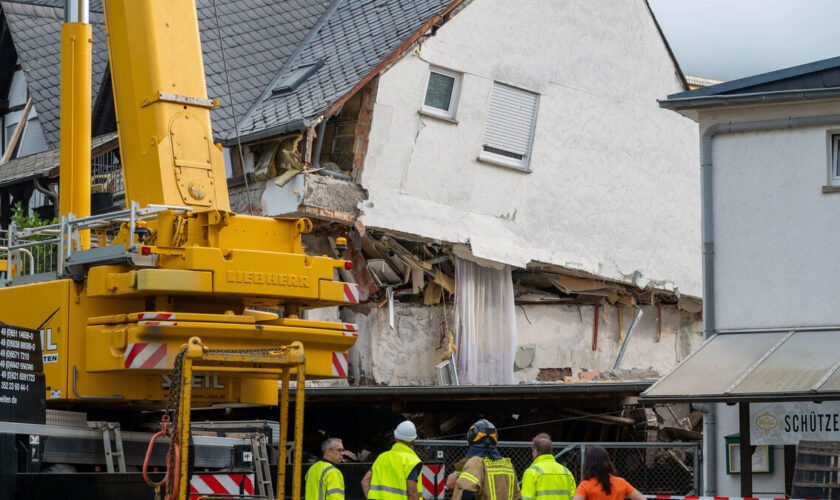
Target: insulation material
[485, 324]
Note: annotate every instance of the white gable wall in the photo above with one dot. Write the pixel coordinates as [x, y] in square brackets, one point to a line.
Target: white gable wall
[614, 182]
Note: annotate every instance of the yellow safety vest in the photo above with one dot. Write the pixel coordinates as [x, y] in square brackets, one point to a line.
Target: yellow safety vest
[545, 479]
[324, 482]
[390, 473]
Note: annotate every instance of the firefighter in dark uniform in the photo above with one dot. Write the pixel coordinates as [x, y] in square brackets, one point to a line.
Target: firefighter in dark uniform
[485, 475]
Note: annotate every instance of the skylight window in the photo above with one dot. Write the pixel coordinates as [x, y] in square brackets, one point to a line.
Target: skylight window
[294, 79]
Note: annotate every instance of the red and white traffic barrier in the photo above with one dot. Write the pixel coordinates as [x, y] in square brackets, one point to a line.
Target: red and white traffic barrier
[434, 481]
[145, 355]
[340, 362]
[221, 484]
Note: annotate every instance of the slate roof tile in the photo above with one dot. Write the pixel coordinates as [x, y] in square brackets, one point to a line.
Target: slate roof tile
[259, 35]
[352, 41]
[259, 38]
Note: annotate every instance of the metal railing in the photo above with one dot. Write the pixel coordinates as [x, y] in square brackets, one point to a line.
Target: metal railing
[26, 255]
[667, 468]
[47, 249]
[106, 173]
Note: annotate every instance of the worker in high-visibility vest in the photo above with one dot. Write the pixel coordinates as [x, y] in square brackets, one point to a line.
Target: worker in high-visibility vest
[396, 473]
[323, 480]
[545, 479]
[486, 475]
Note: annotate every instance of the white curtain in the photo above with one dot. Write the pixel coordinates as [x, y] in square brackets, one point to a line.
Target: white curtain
[485, 324]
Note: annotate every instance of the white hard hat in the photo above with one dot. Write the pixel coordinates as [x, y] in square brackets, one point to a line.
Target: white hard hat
[406, 431]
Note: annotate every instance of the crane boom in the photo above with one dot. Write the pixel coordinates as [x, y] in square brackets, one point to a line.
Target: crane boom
[176, 263]
[163, 113]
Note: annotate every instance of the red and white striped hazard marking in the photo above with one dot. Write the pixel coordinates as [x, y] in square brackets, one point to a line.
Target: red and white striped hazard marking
[340, 360]
[350, 330]
[145, 355]
[158, 316]
[721, 498]
[434, 481]
[157, 323]
[221, 484]
[351, 293]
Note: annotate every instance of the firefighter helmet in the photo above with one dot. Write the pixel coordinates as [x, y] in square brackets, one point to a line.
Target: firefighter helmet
[482, 432]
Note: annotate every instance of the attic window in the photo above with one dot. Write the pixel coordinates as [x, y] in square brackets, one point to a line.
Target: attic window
[294, 79]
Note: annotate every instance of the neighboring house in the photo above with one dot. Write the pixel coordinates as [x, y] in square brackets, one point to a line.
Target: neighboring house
[771, 184]
[511, 191]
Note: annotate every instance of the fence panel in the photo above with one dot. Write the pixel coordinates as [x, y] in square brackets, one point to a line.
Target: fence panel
[653, 468]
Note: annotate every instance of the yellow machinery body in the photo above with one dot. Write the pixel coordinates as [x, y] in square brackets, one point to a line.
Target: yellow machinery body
[110, 327]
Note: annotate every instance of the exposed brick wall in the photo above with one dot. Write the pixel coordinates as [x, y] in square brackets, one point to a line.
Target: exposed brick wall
[360, 146]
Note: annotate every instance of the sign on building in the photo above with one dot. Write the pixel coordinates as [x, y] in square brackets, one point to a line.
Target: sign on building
[789, 423]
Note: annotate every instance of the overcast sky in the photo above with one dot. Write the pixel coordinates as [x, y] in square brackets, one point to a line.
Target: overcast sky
[729, 39]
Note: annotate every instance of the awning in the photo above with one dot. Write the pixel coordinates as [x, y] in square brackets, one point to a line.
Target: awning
[784, 365]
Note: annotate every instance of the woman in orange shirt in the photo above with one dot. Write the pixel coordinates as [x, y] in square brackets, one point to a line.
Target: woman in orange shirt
[601, 483]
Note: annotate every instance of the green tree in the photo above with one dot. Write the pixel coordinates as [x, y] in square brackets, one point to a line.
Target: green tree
[45, 255]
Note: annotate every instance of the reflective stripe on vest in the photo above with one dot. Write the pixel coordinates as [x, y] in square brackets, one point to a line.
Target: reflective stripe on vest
[321, 485]
[553, 481]
[390, 473]
[379, 487]
[501, 469]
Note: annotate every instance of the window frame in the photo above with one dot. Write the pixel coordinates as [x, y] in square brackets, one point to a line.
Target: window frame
[453, 97]
[506, 161]
[833, 158]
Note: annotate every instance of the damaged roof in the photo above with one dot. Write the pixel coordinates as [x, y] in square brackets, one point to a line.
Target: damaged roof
[259, 37]
[347, 44]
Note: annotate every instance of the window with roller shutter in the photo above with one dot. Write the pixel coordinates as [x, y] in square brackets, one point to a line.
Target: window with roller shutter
[509, 133]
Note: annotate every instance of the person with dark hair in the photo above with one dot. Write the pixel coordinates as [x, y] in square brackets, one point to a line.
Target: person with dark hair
[599, 479]
[486, 475]
[545, 478]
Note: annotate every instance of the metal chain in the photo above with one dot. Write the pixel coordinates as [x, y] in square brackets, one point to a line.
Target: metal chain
[264, 351]
[171, 412]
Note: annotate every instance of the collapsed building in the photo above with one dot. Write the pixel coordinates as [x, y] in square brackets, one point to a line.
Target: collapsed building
[521, 228]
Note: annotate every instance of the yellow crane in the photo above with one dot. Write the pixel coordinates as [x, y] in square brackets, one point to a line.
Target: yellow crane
[131, 288]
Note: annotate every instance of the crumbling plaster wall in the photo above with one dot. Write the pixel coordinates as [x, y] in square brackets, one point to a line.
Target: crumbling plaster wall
[560, 337]
[403, 355]
[613, 185]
